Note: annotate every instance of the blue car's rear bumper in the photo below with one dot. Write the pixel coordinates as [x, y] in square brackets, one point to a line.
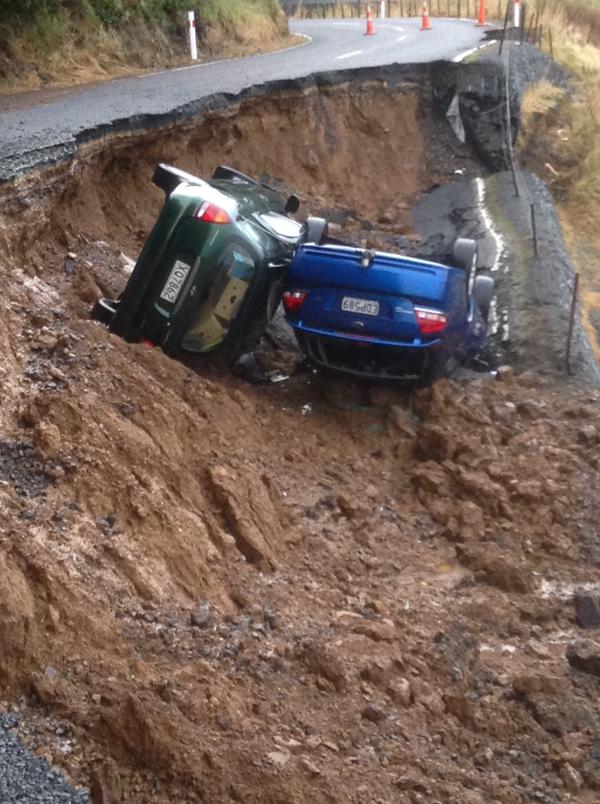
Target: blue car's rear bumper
[371, 357]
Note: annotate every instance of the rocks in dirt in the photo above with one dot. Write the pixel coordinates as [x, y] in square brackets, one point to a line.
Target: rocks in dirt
[491, 496]
[247, 503]
[584, 655]
[279, 758]
[373, 713]
[47, 440]
[201, 615]
[534, 684]
[504, 373]
[321, 659]
[377, 630]
[507, 572]
[423, 693]
[572, 779]
[431, 479]
[434, 442]
[588, 434]
[587, 610]
[401, 420]
[105, 782]
[399, 692]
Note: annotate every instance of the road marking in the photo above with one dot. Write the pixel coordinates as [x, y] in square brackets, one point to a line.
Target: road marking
[348, 55]
[398, 28]
[470, 52]
[401, 38]
[489, 223]
[307, 41]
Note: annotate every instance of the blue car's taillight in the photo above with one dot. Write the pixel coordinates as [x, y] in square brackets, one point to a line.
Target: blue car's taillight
[431, 322]
[293, 300]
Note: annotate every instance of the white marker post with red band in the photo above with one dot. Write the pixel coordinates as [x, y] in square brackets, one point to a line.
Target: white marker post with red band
[517, 14]
[192, 30]
[382, 9]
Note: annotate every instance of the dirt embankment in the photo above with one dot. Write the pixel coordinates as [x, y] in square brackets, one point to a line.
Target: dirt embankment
[307, 592]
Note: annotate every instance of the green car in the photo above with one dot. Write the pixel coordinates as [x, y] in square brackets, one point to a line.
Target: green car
[211, 271]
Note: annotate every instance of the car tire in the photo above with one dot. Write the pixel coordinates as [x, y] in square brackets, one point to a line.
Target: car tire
[464, 254]
[315, 230]
[485, 293]
[104, 310]
[231, 174]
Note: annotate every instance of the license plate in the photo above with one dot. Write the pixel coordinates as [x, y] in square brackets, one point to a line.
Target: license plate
[363, 306]
[174, 283]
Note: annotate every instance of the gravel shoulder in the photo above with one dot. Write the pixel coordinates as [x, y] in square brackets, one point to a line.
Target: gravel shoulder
[25, 777]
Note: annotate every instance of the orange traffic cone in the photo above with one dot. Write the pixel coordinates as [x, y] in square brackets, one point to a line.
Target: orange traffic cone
[481, 15]
[425, 17]
[370, 25]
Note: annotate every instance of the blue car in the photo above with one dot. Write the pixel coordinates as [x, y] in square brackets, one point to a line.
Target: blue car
[386, 316]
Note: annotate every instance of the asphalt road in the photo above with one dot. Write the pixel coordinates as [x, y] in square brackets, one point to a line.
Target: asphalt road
[35, 133]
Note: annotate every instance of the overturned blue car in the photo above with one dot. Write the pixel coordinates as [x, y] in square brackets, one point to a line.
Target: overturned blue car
[386, 316]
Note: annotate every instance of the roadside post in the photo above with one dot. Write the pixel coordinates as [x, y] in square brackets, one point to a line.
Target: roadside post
[571, 324]
[382, 9]
[517, 14]
[192, 31]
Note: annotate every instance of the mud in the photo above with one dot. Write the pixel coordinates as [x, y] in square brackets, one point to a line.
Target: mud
[313, 591]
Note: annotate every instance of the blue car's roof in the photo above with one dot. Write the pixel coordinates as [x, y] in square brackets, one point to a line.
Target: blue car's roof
[389, 273]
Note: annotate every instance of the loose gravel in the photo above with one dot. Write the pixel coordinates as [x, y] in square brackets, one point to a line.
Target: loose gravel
[27, 778]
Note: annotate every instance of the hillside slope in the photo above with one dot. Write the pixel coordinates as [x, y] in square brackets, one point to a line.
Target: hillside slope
[55, 42]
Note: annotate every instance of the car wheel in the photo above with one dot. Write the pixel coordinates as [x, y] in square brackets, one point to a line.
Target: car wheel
[104, 310]
[464, 254]
[483, 290]
[315, 230]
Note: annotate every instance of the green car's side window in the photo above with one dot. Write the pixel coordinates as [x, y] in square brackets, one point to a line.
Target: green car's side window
[234, 275]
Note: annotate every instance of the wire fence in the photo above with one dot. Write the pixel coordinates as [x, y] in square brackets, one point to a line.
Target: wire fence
[317, 9]
[529, 31]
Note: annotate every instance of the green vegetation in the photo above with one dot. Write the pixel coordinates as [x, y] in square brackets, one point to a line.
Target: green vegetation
[67, 41]
[18, 15]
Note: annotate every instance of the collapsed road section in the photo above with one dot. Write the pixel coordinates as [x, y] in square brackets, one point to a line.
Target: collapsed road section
[311, 591]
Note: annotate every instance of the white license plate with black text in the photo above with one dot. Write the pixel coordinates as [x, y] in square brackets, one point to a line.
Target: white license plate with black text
[174, 283]
[363, 306]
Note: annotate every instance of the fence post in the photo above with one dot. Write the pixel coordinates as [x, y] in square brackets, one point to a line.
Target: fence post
[534, 231]
[504, 29]
[550, 42]
[192, 31]
[571, 323]
[523, 20]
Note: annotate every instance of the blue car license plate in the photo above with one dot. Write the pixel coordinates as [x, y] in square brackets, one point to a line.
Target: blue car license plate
[362, 306]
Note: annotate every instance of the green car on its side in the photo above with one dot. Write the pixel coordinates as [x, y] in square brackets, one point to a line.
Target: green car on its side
[211, 271]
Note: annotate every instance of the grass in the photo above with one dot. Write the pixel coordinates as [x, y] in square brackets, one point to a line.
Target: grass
[69, 41]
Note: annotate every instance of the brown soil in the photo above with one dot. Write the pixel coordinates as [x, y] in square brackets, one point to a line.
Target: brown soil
[309, 592]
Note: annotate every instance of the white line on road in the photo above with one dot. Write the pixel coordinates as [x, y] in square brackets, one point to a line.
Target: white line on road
[470, 52]
[307, 41]
[489, 223]
[398, 28]
[347, 55]
[401, 38]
